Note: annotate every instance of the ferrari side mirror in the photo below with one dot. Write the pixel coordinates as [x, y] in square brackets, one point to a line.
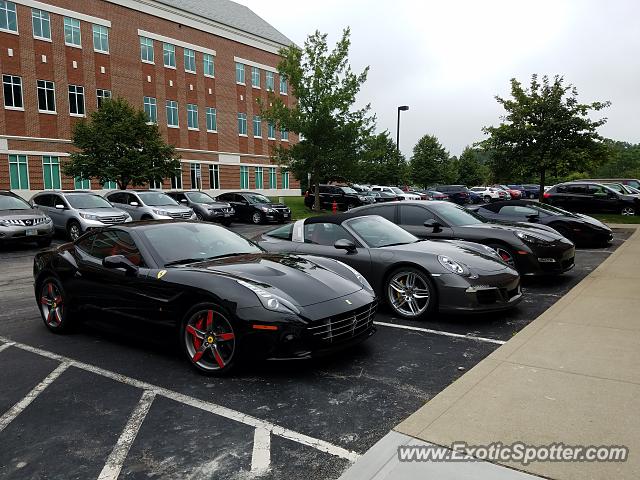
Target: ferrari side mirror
[120, 261]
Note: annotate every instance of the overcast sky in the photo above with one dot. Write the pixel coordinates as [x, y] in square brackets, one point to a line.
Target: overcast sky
[448, 59]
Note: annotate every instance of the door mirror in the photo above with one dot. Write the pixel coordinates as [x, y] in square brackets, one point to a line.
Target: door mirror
[120, 261]
[134, 204]
[184, 200]
[59, 206]
[431, 223]
[345, 244]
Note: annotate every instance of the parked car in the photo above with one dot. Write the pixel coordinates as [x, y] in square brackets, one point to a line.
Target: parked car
[204, 206]
[527, 191]
[589, 197]
[76, 211]
[475, 198]
[149, 205]
[623, 189]
[415, 278]
[490, 194]
[435, 195]
[219, 294]
[513, 193]
[21, 222]
[632, 182]
[255, 207]
[397, 191]
[346, 198]
[532, 249]
[422, 195]
[457, 193]
[580, 229]
[380, 196]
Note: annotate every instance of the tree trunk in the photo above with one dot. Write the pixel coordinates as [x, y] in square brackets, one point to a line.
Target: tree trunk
[543, 174]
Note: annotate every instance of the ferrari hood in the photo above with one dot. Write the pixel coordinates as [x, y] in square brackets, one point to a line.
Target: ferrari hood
[543, 231]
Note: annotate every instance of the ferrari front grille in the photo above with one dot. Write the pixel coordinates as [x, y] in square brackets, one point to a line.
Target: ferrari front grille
[344, 326]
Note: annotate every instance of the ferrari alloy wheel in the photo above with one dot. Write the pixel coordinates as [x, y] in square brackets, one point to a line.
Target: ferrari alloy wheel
[52, 305]
[410, 293]
[628, 211]
[256, 218]
[505, 255]
[209, 340]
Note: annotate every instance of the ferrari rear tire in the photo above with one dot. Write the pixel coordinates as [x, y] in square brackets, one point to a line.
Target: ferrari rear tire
[54, 307]
[410, 293]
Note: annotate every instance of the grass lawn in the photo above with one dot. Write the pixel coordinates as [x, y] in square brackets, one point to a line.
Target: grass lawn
[612, 218]
[298, 210]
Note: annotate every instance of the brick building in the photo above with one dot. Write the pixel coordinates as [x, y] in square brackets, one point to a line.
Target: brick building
[197, 67]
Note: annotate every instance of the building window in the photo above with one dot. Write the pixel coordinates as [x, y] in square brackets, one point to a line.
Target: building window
[284, 135]
[242, 123]
[196, 176]
[169, 54]
[146, 50]
[214, 177]
[212, 121]
[172, 113]
[244, 177]
[46, 96]
[41, 24]
[76, 100]
[208, 65]
[8, 17]
[102, 95]
[176, 180]
[285, 179]
[240, 73]
[110, 185]
[18, 172]
[51, 172]
[257, 126]
[189, 60]
[82, 183]
[272, 178]
[12, 87]
[155, 184]
[271, 131]
[151, 109]
[192, 116]
[72, 32]
[270, 81]
[100, 39]
[283, 85]
[259, 178]
[255, 77]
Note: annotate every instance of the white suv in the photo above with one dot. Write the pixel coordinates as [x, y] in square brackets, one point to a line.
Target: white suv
[396, 191]
[489, 193]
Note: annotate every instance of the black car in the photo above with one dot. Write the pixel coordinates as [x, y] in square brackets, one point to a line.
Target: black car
[580, 229]
[221, 295]
[531, 248]
[345, 198]
[590, 197]
[414, 277]
[255, 207]
[204, 206]
[457, 193]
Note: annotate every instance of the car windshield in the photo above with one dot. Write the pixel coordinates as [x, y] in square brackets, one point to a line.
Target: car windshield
[380, 232]
[633, 190]
[348, 190]
[257, 198]
[175, 243]
[397, 190]
[156, 199]
[8, 202]
[82, 201]
[199, 197]
[456, 216]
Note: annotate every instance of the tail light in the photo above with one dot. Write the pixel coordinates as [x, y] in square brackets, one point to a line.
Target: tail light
[546, 195]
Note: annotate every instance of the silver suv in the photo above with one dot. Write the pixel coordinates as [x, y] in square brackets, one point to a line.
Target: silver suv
[19, 222]
[149, 205]
[75, 212]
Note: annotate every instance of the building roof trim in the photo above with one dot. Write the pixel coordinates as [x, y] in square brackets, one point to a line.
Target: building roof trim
[63, 11]
[173, 41]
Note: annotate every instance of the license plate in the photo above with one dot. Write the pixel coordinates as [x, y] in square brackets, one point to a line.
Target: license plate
[31, 231]
[286, 215]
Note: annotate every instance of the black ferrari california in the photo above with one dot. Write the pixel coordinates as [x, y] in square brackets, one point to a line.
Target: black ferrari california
[533, 249]
[415, 277]
[220, 294]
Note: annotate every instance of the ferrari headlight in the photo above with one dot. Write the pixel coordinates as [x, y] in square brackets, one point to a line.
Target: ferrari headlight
[269, 300]
[453, 266]
[88, 216]
[531, 238]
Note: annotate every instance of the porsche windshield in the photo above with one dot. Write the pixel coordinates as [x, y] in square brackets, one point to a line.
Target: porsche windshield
[380, 232]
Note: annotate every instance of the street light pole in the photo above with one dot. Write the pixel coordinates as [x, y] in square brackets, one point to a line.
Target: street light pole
[402, 108]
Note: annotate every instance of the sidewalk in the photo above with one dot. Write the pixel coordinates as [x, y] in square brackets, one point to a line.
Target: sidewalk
[571, 376]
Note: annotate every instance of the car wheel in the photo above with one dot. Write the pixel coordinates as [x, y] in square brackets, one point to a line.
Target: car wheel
[209, 340]
[410, 293]
[256, 218]
[532, 196]
[350, 206]
[44, 242]
[505, 254]
[199, 217]
[487, 199]
[74, 230]
[53, 306]
[628, 211]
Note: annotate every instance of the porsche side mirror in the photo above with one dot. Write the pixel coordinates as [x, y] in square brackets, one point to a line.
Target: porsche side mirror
[345, 244]
[431, 223]
[120, 261]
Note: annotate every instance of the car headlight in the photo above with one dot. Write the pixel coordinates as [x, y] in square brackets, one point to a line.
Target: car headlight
[4, 223]
[453, 266]
[269, 300]
[532, 238]
[88, 216]
[162, 213]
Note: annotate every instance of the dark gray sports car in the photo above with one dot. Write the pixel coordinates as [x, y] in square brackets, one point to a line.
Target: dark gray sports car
[415, 277]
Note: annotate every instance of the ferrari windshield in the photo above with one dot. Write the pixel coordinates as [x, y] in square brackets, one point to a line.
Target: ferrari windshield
[199, 197]
[175, 243]
[380, 232]
[456, 216]
[156, 199]
[81, 201]
[7, 202]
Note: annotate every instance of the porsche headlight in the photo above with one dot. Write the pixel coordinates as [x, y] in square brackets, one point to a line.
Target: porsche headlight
[453, 266]
[269, 300]
[531, 238]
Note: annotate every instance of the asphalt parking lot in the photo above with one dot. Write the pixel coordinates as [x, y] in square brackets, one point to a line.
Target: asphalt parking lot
[104, 404]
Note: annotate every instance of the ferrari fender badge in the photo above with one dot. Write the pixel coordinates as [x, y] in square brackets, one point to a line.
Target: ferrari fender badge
[161, 274]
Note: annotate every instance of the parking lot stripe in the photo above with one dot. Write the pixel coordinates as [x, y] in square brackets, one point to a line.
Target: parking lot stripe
[298, 437]
[4, 346]
[14, 411]
[440, 332]
[261, 457]
[111, 469]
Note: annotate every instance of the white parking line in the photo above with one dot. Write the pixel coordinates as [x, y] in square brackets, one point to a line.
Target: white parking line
[440, 332]
[298, 437]
[14, 411]
[5, 346]
[261, 457]
[595, 251]
[111, 469]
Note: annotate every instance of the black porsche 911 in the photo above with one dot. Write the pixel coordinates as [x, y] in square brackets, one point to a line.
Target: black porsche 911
[532, 249]
[222, 295]
[414, 277]
[580, 229]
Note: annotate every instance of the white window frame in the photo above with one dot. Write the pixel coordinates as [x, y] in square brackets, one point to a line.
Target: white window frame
[214, 176]
[70, 23]
[172, 54]
[103, 33]
[284, 135]
[49, 86]
[211, 112]
[13, 84]
[270, 81]
[42, 17]
[153, 106]
[244, 173]
[148, 46]
[51, 164]
[285, 179]
[195, 171]
[6, 10]
[78, 92]
[240, 73]
[209, 59]
[176, 180]
[173, 105]
[242, 120]
[259, 173]
[255, 77]
[18, 158]
[257, 120]
[273, 176]
[283, 82]
[192, 113]
[271, 127]
[100, 94]
[191, 54]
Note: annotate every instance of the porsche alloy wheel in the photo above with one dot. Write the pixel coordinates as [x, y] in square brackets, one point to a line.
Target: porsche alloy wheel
[52, 305]
[209, 340]
[410, 293]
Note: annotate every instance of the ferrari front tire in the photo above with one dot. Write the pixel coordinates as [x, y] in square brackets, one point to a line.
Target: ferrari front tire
[54, 307]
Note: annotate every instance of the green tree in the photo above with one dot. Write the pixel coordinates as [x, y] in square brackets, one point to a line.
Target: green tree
[117, 144]
[331, 131]
[381, 162]
[431, 163]
[623, 162]
[472, 169]
[545, 130]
